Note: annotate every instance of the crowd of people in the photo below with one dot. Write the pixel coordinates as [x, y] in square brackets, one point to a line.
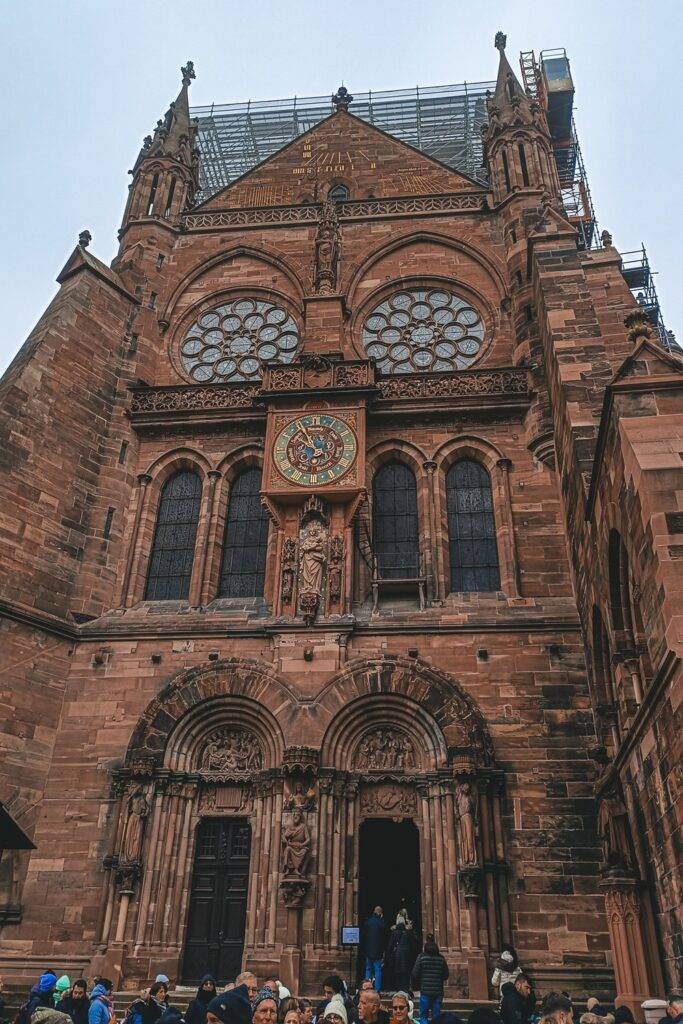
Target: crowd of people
[54, 1000]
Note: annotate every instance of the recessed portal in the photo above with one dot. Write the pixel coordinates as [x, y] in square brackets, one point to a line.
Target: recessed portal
[389, 870]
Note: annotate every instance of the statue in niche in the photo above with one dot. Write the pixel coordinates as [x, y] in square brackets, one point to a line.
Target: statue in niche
[327, 249]
[385, 749]
[288, 569]
[300, 799]
[231, 750]
[467, 820]
[137, 809]
[613, 827]
[312, 561]
[296, 847]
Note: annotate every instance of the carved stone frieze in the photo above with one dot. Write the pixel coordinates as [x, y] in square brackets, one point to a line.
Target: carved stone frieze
[187, 399]
[231, 751]
[461, 384]
[385, 749]
[388, 801]
[462, 202]
[313, 372]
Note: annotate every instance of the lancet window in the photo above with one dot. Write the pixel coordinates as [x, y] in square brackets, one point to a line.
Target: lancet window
[243, 564]
[170, 565]
[471, 528]
[395, 522]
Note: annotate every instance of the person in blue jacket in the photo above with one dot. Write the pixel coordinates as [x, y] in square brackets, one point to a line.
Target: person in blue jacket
[101, 1010]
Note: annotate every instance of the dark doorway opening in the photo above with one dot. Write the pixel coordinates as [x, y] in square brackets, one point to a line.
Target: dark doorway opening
[389, 874]
[218, 900]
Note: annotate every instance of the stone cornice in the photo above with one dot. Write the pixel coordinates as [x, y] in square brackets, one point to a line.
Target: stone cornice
[360, 209]
[48, 623]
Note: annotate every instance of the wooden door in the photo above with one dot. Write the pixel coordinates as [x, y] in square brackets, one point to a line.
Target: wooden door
[218, 900]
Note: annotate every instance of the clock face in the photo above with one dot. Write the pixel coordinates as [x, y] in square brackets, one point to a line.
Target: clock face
[315, 449]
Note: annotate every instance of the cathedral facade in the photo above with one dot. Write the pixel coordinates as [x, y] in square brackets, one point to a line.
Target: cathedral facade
[340, 543]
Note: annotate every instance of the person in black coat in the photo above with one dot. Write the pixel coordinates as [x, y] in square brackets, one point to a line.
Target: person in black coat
[517, 1001]
[77, 1003]
[402, 953]
[374, 944]
[196, 1010]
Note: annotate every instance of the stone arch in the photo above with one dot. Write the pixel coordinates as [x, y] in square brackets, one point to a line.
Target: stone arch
[372, 255]
[344, 738]
[217, 713]
[452, 710]
[257, 686]
[263, 254]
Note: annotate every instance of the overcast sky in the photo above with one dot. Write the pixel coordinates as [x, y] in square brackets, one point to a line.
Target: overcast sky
[85, 80]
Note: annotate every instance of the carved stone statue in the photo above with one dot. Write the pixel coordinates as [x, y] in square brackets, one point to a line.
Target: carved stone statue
[231, 750]
[296, 847]
[385, 749]
[327, 249]
[312, 561]
[614, 830]
[300, 799]
[137, 809]
[288, 569]
[467, 819]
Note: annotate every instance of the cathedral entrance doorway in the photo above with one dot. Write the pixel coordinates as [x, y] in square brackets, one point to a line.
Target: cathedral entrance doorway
[389, 870]
[218, 900]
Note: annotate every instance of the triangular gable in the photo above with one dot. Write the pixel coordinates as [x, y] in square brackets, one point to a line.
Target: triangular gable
[342, 148]
[648, 360]
[80, 259]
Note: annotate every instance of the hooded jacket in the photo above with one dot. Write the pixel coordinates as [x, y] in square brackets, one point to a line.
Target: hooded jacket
[196, 1010]
[40, 995]
[514, 1007]
[402, 948]
[63, 985]
[100, 1011]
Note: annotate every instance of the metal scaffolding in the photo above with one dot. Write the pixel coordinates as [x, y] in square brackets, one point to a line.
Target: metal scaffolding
[639, 276]
[444, 122]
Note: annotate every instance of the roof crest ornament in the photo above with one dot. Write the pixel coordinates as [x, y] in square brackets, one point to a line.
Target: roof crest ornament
[188, 72]
[342, 99]
[500, 41]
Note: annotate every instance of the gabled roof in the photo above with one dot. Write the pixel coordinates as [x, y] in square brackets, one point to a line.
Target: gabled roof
[343, 123]
[80, 259]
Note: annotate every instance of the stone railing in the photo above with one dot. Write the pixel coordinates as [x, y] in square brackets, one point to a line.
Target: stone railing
[461, 384]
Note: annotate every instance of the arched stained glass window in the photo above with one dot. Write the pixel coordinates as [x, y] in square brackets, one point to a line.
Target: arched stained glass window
[394, 522]
[170, 564]
[339, 193]
[246, 536]
[471, 528]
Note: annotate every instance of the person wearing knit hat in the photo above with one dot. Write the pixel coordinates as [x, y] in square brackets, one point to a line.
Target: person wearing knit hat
[230, 1007]
[265, 1007]
[335, 1011]
[40, 995]
[61, 988]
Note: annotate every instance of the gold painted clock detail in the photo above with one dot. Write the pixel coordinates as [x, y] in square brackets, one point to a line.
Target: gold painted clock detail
[315, 449]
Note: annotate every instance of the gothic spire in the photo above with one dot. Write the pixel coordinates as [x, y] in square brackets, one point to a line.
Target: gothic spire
[175, 133]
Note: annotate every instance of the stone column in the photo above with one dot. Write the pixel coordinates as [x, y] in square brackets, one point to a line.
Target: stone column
[509, 561]
[125, 598]
[622, 906]
[432, 533]
[471, 885]
[211, 544]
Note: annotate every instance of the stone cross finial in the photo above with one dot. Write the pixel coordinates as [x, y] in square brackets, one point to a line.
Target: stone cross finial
[188, 73]
[342, 98]
[84, 239]
[500, 40]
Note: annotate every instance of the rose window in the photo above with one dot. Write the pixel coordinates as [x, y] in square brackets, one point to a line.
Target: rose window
[423, 330]
[233, 341]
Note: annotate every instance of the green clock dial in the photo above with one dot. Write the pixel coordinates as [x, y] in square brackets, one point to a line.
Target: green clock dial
[315, 449]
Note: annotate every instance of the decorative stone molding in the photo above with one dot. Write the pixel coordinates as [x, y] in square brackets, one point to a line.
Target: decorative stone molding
[301, 759]
[294, 891]
[461, 384]
[462, 202]
[319, 372]
[470, 880]
[388, 801]
[190, 398]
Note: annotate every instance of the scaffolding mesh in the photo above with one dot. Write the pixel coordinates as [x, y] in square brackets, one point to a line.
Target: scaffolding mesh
[444, 122]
